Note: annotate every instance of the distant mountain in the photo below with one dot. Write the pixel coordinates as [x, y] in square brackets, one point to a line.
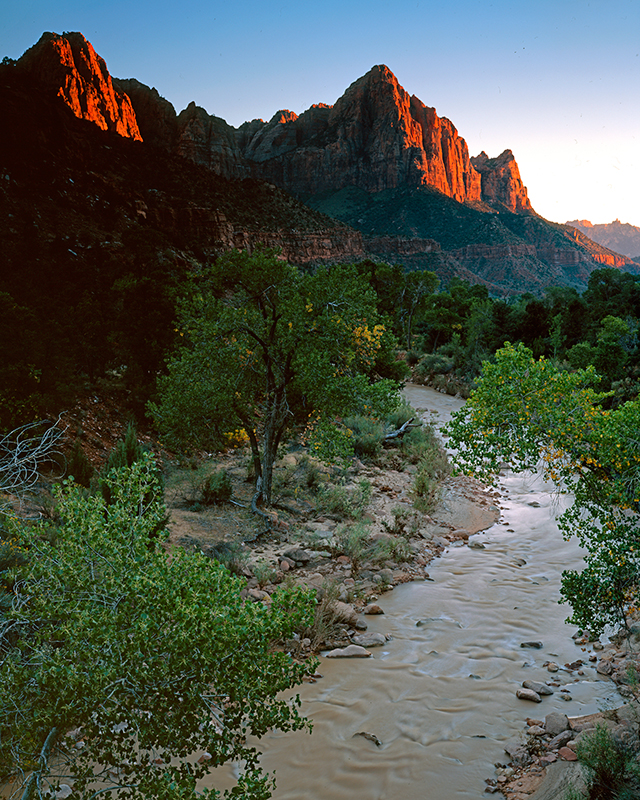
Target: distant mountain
[391, 179]
[616, 235]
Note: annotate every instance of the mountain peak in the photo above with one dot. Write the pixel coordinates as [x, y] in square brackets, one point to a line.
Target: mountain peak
[375, 137]
[68, 65]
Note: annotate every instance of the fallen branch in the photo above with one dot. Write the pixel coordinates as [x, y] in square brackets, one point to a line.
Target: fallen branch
[402, 429]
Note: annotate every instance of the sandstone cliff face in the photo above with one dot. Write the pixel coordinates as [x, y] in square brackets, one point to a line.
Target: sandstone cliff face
[209, 141]
[69, 66]
[156, 117]
[501, 182]
[621, 237]
[375, 137]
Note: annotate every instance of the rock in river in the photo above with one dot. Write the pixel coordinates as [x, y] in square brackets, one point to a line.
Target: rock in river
[369, 639]
[528, 694]
[351, 651]
[539, 688]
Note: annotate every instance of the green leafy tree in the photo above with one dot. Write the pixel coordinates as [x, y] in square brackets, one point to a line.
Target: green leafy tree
[149, 658]
[403, 296]
[266, 347]
[530, 414]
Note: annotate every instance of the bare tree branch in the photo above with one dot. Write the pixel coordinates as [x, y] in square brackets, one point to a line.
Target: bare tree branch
[23, 451]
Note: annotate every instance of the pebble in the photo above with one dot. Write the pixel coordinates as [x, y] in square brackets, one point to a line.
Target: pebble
[567, 754]
[373, 608]
[533, 645]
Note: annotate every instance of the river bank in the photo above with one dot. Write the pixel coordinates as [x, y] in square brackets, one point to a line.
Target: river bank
[433, 702]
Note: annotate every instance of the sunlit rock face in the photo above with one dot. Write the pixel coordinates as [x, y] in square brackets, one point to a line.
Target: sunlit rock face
[69, 66]
[375, 137]
[501, 182]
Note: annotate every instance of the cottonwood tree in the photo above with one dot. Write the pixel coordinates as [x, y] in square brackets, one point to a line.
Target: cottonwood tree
[531, 414]
[129, 669]
[266, 346]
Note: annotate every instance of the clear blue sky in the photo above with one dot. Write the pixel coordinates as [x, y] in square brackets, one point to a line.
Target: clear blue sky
[555, 81]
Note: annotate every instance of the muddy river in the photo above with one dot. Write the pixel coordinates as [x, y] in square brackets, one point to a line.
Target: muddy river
[440, 696]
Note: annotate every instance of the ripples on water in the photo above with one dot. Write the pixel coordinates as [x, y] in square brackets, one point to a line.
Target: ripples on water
[440, 696]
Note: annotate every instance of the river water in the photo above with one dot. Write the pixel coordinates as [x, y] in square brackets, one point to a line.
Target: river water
[440, 696]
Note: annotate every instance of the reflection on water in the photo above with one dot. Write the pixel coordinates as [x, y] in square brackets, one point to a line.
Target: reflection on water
[440, 696]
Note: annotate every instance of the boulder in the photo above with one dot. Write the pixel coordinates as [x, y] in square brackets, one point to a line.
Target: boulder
[369, 639]
[540, 688]
[560, 739]
[528, 694]
[298, 555]
[556, 723]
[344, 612]
[351, 651]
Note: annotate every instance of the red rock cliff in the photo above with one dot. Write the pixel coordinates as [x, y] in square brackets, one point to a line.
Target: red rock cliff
[501, 182]
[375, 137]
[69, 66]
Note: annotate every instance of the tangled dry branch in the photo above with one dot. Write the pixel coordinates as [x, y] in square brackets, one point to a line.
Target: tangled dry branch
[23, 452]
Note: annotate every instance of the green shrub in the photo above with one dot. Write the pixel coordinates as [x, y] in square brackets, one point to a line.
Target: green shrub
[263, 572]
[126, 453]
[402, 517]
[432, 467]
[399, 416]
[613, 769]
[345, 502]
[311, 472]
[351, 541]
[396, 549]
[435, 364]
[325, 625]
[232, 554]
[79, 465]
[367, 435]
[216, 488]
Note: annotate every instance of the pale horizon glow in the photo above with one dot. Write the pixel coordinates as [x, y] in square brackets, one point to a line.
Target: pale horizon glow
[556, 81]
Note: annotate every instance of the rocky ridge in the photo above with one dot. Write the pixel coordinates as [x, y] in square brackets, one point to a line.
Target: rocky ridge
[501, 182]
[618, 236]
[376, 136]
[398, 176]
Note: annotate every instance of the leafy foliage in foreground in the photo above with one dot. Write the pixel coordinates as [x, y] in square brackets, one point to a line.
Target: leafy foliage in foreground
[525, 413]
[150, 657]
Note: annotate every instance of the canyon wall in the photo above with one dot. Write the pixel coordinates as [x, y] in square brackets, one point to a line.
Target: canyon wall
[375, 137]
